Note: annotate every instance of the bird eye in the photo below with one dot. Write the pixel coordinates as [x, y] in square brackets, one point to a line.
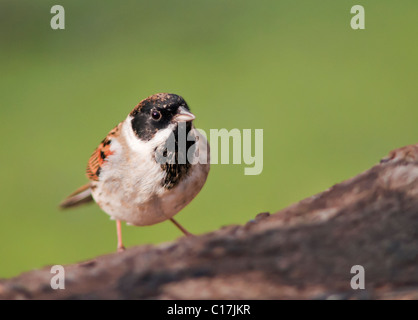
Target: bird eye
[156, 115]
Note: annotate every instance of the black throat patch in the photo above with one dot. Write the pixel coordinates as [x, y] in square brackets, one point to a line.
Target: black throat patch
[178, 165]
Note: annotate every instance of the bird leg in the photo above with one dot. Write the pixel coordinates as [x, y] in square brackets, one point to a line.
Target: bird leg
[121, 247]
[178, 225]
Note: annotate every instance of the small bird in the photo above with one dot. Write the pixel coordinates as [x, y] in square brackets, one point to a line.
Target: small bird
[140, 173]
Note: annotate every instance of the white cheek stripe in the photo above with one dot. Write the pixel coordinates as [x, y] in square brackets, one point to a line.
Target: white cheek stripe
[131, 139]
[137, 145]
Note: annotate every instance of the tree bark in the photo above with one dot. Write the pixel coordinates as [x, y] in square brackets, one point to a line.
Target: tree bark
[305, 251]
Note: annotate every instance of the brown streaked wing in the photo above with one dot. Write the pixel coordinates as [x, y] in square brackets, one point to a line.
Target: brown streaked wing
[98, 158]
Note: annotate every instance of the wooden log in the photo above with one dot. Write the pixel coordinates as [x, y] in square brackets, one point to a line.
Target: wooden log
[305, 251]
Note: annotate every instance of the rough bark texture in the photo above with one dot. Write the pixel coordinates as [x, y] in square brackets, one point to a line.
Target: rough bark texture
[305, 251]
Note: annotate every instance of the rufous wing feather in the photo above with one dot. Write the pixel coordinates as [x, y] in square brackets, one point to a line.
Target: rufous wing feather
[94, 166]
[100, 155]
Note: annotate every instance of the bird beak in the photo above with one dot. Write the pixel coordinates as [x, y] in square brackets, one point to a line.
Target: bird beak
[184, 115]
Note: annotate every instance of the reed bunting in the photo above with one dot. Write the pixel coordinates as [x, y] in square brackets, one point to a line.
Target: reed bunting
[149, 167]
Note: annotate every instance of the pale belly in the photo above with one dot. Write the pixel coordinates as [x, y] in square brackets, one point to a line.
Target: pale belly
[140, 205]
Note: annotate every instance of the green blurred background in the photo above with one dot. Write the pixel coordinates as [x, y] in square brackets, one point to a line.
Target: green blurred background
[331, 100]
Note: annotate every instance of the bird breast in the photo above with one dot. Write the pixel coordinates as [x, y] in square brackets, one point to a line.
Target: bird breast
[130, 187]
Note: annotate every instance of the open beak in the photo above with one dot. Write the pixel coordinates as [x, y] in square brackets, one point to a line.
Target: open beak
[184, 115]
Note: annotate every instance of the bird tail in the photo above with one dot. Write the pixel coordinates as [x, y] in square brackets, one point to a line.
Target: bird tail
[80, 196]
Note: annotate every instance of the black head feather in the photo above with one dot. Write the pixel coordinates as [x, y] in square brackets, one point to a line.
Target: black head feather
[155, 113]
